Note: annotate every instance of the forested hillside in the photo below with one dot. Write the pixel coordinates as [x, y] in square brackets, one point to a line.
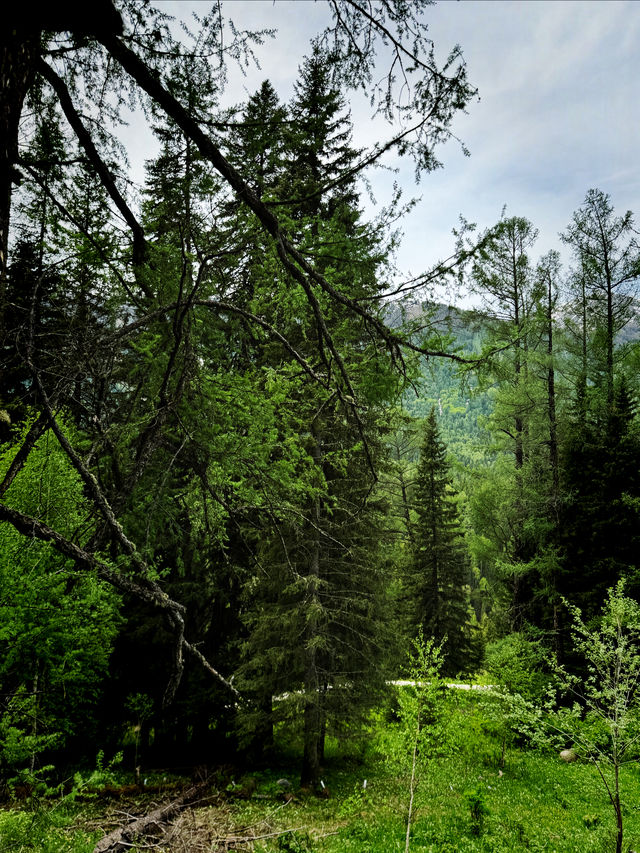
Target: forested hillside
[241, 477]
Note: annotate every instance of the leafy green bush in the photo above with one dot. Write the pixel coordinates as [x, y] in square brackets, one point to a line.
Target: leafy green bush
[519, 663]
[295, 842]
[58, 624]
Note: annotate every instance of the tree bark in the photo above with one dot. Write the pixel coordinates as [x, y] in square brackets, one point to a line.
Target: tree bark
[18, 53]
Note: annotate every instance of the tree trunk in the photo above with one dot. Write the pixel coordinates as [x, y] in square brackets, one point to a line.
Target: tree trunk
[551, 404]
[310, 773]
[322, 728]
[554, 463]
[17, 59]
[122, 839]
[617, 804]
[261, 746]
[582, 380]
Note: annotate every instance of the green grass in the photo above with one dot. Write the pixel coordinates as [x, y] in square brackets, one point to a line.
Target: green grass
[464, 802]
[537, 804]
[44, 828]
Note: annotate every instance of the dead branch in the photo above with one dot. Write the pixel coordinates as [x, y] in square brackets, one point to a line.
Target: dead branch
[122, 839]
[142, 588]
[139, 242]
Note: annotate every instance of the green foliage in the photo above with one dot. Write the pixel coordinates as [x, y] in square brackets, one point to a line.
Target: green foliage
[611, 653]
[295, 842]
[536, 798]
[103, 774]
[57, 625]
[609, 692]
[475, 798]
[607, 253]
[312, 614]
[42, 831]
[600, 529]
[423, 723]
[355, 803]
[43, 822]
[519, 663]
[439, 576]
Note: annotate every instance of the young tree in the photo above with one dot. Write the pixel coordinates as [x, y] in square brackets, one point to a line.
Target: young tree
[610, 652]
[422, 718]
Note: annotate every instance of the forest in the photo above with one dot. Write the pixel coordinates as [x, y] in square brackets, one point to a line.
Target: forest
[266, 507]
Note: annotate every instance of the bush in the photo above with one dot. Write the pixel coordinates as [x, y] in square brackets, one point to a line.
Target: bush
[519, 663]
[475, 799]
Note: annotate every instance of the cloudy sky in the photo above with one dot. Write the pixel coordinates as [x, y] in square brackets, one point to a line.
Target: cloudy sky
[559, 109]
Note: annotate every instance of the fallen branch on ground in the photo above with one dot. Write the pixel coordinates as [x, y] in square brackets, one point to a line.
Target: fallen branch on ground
[121, 840]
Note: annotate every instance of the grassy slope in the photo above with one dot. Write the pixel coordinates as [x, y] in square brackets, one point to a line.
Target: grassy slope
[538, 803]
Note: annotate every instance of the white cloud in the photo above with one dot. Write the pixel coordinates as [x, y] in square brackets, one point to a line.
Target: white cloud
[558, 114]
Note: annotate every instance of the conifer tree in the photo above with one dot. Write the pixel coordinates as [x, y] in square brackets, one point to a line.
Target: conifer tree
[513, 292]
[440, 573]
[600, 521]
[607, 251]
[321, 582]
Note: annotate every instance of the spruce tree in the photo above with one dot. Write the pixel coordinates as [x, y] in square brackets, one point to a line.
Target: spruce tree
[440, 572]
[315, 621]
[599, 524]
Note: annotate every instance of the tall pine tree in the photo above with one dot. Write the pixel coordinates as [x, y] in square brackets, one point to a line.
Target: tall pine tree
[440, 573]
[315, 615]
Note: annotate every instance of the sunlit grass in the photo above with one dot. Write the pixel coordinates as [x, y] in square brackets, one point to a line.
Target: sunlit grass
[534, 802]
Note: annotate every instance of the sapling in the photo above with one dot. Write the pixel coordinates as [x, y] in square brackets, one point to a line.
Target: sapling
[140, 707]
[609, 692]
[422, 714]
[475, 799]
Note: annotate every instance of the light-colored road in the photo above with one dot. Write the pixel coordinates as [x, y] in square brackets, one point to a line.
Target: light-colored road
[402, 683]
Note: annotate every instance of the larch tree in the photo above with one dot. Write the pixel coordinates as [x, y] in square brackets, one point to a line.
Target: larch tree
[506, 278]
[599, 456]
[607, 252]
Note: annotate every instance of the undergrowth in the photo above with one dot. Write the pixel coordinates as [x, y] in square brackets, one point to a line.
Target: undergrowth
[468, 798]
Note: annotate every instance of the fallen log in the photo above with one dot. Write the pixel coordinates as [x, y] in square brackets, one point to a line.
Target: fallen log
[121, 840]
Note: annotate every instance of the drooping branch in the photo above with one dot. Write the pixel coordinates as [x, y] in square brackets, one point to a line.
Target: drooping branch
[294, 262]
[85, 140]
[90, 482]
[37, 428]
[142, 588]
[375, 24]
